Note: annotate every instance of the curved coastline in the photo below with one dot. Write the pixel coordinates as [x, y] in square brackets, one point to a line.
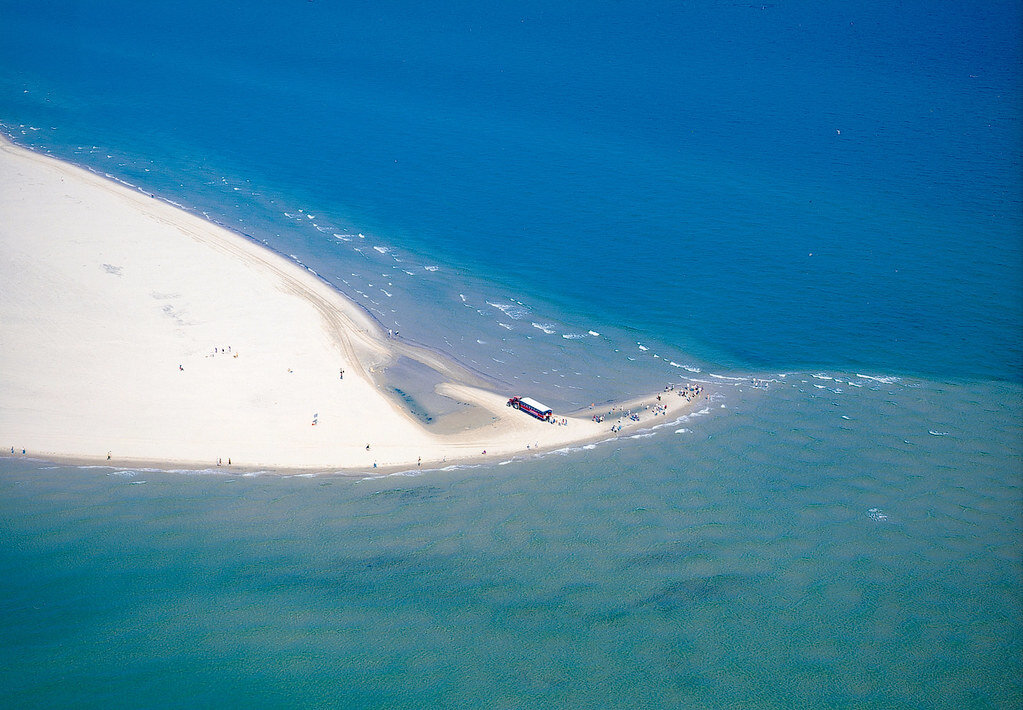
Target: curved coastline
[115, 298]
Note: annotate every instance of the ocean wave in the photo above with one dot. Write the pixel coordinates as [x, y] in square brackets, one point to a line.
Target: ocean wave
[573, 336]
[382, 250]
[545, 327]
[691, 415]
[515, 311]
[883, 380]
[938, 433]
[594, 333]
[431, 268]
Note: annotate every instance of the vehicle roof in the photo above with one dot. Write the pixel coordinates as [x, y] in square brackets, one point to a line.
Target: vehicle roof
[534, 404]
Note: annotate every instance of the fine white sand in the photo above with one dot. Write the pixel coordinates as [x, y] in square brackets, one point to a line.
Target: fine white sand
[132, 329]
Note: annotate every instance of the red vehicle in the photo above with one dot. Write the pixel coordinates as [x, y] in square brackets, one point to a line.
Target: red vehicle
[531, 406]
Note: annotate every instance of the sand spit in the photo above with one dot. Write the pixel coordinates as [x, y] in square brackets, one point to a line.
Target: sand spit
[133, 331]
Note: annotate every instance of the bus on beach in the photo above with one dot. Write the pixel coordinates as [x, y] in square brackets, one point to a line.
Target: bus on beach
[531, 406]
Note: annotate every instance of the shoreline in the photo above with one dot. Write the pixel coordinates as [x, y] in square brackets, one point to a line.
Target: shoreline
[113, 291]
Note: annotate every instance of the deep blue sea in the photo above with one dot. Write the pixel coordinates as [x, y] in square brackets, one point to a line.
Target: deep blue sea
[812, 208]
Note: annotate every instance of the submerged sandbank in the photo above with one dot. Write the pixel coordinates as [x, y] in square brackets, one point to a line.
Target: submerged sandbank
[135, 331]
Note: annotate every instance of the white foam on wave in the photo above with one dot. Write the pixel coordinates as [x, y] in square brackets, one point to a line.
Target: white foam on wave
[545, 327]
[644, 348]
[382, 250]
[515, 311]
[573, 336]
[594, 333]
[877, 514]
[506, 326]
[883, 380]
[215, 471]
[726, 377]
[821, 376]
[938, 433]
[691, 415]
[683, 430]
[431, 268]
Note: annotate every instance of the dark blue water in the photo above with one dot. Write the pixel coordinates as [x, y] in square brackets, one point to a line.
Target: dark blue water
[771, 185]
[581, 202]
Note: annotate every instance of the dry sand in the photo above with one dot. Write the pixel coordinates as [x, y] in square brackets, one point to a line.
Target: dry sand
[132, 329]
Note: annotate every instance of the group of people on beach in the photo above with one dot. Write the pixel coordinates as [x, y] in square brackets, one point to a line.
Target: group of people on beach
[222, 351]
[689, 391]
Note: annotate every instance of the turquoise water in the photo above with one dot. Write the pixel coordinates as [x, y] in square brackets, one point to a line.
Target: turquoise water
[581, 203]
[763, 558]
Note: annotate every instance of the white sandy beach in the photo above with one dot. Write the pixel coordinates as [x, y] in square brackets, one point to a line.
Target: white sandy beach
[132, 329]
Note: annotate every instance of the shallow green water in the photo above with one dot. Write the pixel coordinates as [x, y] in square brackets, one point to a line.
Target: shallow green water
[756, 560]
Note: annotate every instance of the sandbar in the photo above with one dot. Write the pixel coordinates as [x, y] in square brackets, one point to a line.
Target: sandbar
[134, 331]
